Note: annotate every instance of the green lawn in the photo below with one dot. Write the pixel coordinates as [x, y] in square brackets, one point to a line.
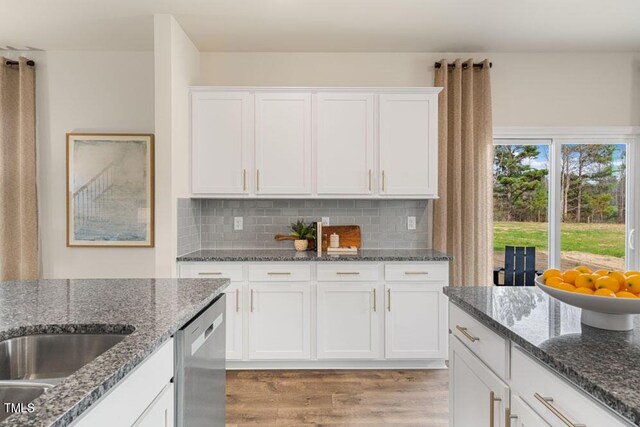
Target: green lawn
[599, 239]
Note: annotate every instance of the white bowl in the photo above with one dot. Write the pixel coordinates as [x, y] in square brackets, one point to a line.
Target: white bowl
[610, 313]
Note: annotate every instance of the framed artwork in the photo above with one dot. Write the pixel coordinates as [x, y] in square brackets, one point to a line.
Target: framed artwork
[110, 192]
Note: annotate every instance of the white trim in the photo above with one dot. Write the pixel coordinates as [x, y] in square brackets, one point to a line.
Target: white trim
[337, 364]
[554, 137]
[421, 90]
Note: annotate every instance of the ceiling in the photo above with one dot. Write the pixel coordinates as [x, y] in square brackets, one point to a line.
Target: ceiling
[329, 25]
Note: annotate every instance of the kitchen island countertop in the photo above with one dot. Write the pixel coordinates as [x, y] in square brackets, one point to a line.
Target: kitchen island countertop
[151, 310]
[251, 255]
[602, 363]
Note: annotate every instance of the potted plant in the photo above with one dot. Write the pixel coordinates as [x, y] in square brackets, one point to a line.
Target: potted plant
[302, 232]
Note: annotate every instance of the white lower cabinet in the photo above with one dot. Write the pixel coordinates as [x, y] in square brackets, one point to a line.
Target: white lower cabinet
[477, 396]
[415, 316]
[348, 321]
[145, 397]
[332, 314]
[523, 416]
[234, 321]
[499, 384]
[279, 321]
[161, 413]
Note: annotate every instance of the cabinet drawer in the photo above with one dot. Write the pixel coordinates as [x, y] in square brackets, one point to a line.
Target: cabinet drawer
[343, 272]
[432, 272]
[212, 270]
[279, 273]
[490, 347]
[553, 398]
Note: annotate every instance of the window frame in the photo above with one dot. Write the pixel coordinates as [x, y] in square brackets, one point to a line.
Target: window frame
[555, 137]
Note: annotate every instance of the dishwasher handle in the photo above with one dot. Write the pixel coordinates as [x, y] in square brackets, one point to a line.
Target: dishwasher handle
[204, 336]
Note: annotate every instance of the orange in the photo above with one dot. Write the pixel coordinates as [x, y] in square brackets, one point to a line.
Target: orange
[584, 269]
[588, 291]
[604, 292]
[586, 281]
[551, 272]
[553, 280]
[631, 273]
[565, 287]
[621, 278]
[625, 294]
[607, 282]
[601, 272]
[633, 283]
[569, 276]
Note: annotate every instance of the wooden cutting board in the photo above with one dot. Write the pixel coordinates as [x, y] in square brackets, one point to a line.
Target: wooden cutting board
[349, 235]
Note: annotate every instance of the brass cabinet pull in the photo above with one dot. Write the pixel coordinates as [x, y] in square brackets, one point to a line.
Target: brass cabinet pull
[369, 179]
[416, 272]
[279, 273]
[546, 401]
[508, 416]
[464, 331]
[251, 305]
[354, 273]
[244, 180]
[210, 273]
[374, 300]
[237, 300]
[389, 299]
[257, 179]
[382, 180]
[492, 412]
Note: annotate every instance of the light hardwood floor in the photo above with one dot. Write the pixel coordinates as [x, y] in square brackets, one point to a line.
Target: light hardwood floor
[337, 398]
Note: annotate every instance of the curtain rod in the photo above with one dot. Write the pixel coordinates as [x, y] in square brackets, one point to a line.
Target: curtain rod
[464, 65]
[10, 62]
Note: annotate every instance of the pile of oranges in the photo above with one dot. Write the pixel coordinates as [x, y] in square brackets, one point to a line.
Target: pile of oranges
[601, 282]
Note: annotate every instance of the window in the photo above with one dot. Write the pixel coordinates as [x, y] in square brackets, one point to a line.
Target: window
[571, 196]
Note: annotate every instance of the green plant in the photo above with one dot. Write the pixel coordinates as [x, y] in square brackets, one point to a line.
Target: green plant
[301, 230]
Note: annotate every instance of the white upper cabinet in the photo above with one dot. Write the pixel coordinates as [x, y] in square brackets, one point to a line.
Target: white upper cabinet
[345, 143]
[408, 144]
[314, 142]
[221, 139]
[283, 143]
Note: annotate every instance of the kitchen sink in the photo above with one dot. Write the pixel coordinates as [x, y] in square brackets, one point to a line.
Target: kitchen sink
[50, 356]
[19, 394]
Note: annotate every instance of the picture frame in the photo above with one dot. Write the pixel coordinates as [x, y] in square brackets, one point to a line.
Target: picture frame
[110, 190]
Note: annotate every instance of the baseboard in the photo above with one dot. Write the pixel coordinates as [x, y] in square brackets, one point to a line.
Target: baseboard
[336, 364]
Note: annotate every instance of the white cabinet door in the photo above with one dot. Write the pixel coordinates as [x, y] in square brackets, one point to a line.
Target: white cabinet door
[234, 322]
[523, 416]
[161, 412]
[279, 321]
[415, 321]
[347, 321]
[221, 138]
[344, 129]
[283, 143]
[477, 397]
[408, 144]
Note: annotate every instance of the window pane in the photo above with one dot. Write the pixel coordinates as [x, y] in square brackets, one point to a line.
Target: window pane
[592, 201]
[520, 200]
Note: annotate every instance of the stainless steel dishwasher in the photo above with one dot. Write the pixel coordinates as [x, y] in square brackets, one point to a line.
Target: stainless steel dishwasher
[200, 369]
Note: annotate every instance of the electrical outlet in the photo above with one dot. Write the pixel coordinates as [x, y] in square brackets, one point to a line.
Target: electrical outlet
[325, 220]
[411, 223]
[237, 223]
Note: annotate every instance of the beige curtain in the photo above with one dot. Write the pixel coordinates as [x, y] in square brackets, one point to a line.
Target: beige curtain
[463, 215]
[18, 202]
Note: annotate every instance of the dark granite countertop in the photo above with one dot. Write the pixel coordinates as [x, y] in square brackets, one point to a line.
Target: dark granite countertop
[292, 255]
[152, 308]
[602, 363]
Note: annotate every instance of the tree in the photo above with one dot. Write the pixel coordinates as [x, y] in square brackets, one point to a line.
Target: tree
[517, 185]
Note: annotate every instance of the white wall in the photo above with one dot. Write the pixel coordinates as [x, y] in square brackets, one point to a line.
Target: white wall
[92, 92]
[539, 89]
[177, 66]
